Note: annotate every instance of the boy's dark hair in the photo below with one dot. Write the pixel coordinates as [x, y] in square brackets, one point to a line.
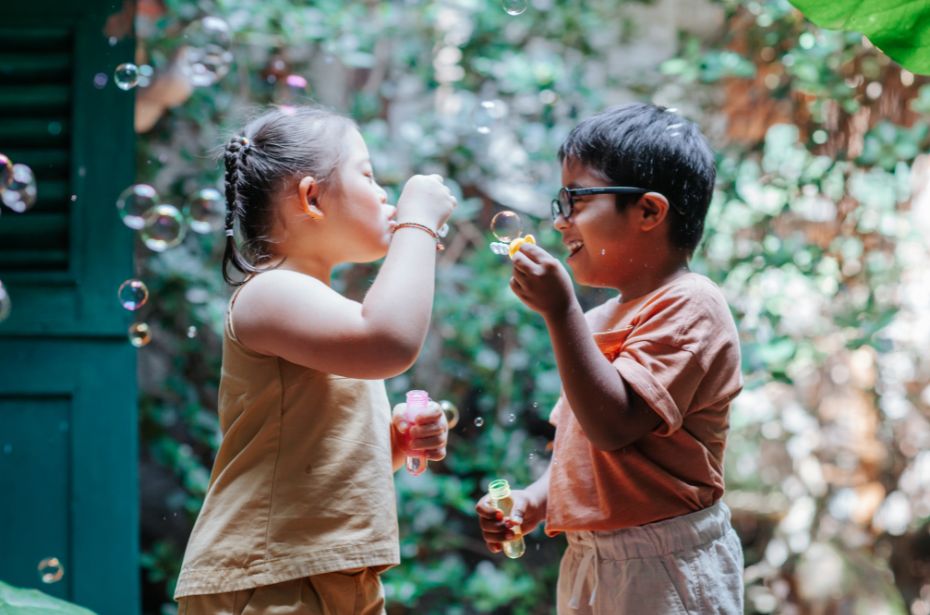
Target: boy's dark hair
[650, 147]
[275, 148]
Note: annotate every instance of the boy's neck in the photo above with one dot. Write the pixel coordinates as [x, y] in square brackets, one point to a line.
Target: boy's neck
[653, 276]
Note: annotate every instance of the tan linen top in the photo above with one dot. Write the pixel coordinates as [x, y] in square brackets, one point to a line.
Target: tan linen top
[678, 349]
[302, 483]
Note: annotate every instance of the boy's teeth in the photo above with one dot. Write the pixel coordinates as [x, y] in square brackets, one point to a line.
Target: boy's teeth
[574, 246]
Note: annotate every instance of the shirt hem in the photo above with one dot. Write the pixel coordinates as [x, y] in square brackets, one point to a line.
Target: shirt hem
[199, 581]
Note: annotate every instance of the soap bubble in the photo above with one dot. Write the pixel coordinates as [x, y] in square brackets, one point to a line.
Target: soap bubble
[479, 421]
[511, 417]
[451, 411]
[126, 76]
[296, 87]
[207, 211]
[51, 570]
[206, 57]
[514, 7]
[139, 334]
[134, 203]
[133, 294]
[191, 332]
[6, 171]
[506, 225]
[5, 304]
[487, 113]
[100, 80]
[163, 228]
[20, 194]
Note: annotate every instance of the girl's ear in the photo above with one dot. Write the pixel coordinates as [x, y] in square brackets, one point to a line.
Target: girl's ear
[308, 192]
[655, 210]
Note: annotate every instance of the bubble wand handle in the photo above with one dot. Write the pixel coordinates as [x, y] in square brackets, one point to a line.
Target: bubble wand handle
[417, 402]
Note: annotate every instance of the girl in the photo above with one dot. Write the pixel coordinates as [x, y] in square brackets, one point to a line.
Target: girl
[300, 513]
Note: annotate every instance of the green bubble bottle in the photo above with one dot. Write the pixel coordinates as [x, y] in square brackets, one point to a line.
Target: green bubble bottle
[499, 490]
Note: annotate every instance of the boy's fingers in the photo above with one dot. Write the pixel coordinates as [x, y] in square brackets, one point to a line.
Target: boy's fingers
[525, 265]
[533, 252]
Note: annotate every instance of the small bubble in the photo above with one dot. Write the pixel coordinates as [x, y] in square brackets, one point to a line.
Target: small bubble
[514, 7]
[206, 56]
[479, 421]
[487, 114]
[51, 570]
[163, 228]
[532, 456]
[73, 198]
[20, 193]
[113, 40]
[603, 252]
[5, 304]
[100, 80]
[191, 332]
[133, 294]
[134, 203]
[126, 76]
[139, 334]
[207, 211]
[506, 226]
[511, 417]
[54, 128]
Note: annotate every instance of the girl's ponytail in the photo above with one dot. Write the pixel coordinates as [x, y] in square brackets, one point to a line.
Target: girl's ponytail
[237, 149]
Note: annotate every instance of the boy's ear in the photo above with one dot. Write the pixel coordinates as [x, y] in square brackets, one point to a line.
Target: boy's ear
[308, 192]
[655, 208]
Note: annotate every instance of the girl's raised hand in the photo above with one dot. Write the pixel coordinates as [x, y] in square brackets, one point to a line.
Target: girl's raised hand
[425, 200]
[427, 435]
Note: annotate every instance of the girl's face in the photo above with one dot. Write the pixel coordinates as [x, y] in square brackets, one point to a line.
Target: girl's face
[361, 211]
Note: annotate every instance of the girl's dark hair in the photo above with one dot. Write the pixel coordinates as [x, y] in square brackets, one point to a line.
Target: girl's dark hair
[276, 148]
[650, 147]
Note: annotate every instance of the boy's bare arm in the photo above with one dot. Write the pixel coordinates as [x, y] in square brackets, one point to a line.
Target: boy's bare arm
[610, 413]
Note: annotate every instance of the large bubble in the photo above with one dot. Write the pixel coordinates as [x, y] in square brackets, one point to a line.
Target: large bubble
[206, 56]
[126, 76]
[163, 228]
[134, 203]
[506, 225]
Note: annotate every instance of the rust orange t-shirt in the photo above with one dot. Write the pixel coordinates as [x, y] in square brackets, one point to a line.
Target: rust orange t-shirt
[678, 349]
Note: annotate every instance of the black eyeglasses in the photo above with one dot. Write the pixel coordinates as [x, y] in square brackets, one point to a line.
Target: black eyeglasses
[565, 203]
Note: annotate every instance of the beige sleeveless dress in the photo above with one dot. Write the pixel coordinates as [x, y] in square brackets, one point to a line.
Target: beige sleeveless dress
[302, 484]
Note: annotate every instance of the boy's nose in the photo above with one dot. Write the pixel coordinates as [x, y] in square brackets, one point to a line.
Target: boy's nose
[560, 223]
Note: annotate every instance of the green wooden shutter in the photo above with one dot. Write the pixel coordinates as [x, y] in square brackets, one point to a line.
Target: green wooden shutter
[68, 397]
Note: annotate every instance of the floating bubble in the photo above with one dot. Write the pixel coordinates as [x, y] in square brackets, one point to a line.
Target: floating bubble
[134, 203]
[487, 113]
[206, 57]
[126, 76]
[191, 332]
[479, 421]
[511, 417]
[146, 72]
[133, 294]
[5, 304]
[20, 194]
[139, 334]
[506, 225]
[100, 80]
[514, 7]
[6, 171]
[207, 211]
[443, 230]
[451, 411]
[51, 570]
[163, 228]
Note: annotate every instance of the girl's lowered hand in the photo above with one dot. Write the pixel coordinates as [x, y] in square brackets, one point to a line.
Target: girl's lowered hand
[425, 200]
[427, 435]
[540, 281]
[496, 528]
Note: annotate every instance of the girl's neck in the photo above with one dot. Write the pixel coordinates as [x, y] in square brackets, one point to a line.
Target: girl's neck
[307, 265]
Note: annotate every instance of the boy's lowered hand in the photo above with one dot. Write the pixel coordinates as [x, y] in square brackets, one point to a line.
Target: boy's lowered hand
[540, 281]
[496, 528]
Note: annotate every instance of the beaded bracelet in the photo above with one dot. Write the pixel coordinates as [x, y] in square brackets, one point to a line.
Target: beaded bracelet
[424, 228]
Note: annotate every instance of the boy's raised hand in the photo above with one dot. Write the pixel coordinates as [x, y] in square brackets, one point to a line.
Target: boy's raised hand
[540, 281]
[427, 435]
[496, 528]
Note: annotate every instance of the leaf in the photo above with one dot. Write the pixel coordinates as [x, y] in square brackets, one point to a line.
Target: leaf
[33, 602]
[899, 28]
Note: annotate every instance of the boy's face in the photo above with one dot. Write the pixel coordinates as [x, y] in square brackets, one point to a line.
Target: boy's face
[604, 244]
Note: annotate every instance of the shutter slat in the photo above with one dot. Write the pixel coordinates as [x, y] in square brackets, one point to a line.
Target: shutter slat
[52, 100]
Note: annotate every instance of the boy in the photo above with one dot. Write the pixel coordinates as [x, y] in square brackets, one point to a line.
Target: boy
[637, 468]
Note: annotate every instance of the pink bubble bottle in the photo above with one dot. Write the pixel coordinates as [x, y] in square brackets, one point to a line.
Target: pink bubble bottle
[417, 403]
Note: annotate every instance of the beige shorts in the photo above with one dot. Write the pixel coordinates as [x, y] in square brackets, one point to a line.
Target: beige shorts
[348, 592]
[691, 564]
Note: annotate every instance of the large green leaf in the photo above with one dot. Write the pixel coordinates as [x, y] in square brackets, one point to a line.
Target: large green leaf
[16, 601]
[900, 28]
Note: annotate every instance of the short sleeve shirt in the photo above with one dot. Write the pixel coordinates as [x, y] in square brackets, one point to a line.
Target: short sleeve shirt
[677, 348]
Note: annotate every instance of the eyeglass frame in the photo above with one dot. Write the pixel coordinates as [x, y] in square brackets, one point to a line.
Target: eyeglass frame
[555, 207]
